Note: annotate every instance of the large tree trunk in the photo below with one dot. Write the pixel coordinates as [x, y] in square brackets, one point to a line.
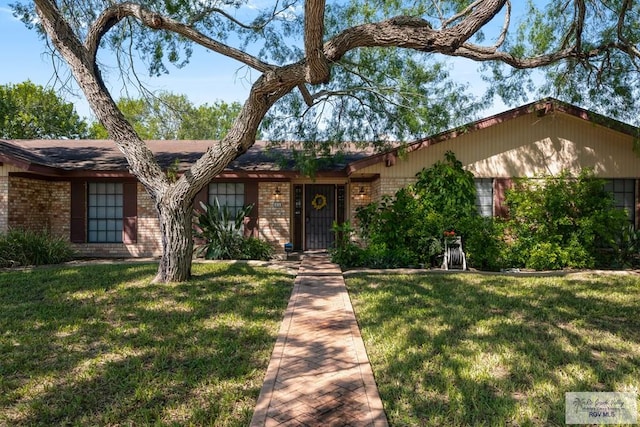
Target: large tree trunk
[177, 242]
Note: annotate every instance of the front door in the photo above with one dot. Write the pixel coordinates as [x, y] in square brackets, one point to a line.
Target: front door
[320, 212]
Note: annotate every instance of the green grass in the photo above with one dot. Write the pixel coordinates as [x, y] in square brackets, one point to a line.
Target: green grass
[102, 345]
[470, 349]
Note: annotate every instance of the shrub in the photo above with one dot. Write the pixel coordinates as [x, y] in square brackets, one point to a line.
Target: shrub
[407, 229]
[629, 248]
[483, 242]
[447, 188]
[254, 248]
[570, 221]
[221, 231]
[27, 247]
[345, 252]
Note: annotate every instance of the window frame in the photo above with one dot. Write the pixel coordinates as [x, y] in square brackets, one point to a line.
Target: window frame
[479, 205]
[238, 192]
[105, 212]
[626, 187]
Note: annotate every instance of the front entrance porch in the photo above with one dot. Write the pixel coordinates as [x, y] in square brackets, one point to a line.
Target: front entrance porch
[316, 207]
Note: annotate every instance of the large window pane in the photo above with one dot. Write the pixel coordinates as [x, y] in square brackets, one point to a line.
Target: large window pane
[229, 194]
[105, 203]
[484, 196]
[624, 194]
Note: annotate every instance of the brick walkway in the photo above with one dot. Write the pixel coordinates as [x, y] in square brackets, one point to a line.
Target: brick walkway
[319, 373]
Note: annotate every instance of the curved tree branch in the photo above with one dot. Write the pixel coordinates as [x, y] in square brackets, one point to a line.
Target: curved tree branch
[114, 14]
[82, 64]
[412, 33]
[629, 47]
[505, 26]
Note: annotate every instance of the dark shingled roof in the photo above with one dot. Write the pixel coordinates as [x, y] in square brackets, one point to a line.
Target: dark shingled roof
[103, 155]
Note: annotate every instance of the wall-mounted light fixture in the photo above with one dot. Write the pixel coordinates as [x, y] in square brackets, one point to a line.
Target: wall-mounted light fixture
[362, 193]
[277, 202]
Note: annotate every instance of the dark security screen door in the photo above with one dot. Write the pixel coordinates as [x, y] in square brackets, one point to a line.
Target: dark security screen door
[319, 215]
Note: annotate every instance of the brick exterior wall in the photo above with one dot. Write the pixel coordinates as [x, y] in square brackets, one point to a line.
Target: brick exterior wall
[39, 205]
[149, 238]
[274, 224]
[4, 198]
[60, 209]
[389, 186]
[358, 199]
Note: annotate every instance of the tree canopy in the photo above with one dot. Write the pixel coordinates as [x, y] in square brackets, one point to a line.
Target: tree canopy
[30, 111]
[343, 70]
[170, 116]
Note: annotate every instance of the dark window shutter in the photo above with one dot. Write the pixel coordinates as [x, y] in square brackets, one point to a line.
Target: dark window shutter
[78, 232]
[130, 212]
[500, 187]
[251, 197]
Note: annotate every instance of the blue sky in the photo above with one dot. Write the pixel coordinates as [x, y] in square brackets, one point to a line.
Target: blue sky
[206, 79]
[23, 57]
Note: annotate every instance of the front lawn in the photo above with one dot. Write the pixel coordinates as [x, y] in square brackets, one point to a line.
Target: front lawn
[472, 349]
[102, 345]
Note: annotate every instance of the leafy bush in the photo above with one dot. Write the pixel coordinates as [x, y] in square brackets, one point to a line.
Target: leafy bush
[554, 223]
[563, 222]
[223, 237]
[447, 188]
[254, 248]
[629, 248]
[345, 252]
[407, 229]
[483, 242]
[26, 247]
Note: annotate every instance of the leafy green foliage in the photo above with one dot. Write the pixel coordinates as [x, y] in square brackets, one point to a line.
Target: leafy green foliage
[555, 223]
[223, 237]
[606, 83]
[26, 247]
[558, 222]
[484, 243]
[629, 246]
[29, 111]
[410, 97]
[345, 252]
[255, 248]
[169, 116]
[209, 121]
[221, 230]
[408, 229]
[448, 188]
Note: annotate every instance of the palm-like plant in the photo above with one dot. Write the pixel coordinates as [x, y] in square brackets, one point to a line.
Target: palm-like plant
[221, 231]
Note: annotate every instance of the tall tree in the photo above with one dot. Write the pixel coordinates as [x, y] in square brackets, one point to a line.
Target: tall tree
[169, 116]
[301, 46]
[29, 111]
[209, 121]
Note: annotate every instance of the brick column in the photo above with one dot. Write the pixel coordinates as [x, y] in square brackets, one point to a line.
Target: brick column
[275, 213]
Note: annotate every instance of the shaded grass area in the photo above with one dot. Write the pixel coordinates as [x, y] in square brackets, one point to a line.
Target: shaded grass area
[102, 345]
[470, 349]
